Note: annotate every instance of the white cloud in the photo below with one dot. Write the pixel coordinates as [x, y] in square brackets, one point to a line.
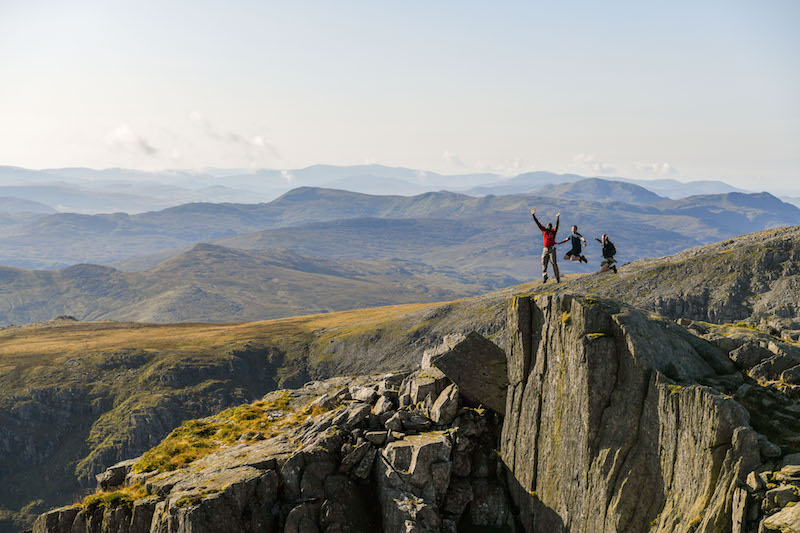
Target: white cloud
[656, 169]
[287, 176]
[124, 138]
[452, 160]
[511, 167]
[255, 146]
[590, 164]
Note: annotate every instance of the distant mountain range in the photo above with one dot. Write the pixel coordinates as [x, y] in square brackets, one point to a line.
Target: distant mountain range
[317, 249]
[492, 233]
[10, 204]
[533, 181]
[600, 190]
[90, 191]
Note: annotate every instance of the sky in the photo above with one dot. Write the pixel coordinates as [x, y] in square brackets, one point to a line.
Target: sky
[683, 89]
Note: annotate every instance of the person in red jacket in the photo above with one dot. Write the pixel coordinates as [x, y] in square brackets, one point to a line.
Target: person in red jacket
[549, 241]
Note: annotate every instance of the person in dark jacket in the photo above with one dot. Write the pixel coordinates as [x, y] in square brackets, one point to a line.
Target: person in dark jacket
[575, 253]
[609, 250]
[549, 242]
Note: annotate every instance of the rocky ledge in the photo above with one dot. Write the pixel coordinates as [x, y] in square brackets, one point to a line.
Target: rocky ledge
[599, 418]
[398, 452]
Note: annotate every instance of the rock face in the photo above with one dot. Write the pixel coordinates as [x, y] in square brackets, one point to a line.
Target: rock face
[614, 421]
[337, 468]
[478, 367]
[606, 429]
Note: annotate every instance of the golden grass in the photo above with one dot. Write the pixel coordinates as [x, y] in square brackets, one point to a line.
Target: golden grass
[17, 344]
[116, 498]
[195, 439]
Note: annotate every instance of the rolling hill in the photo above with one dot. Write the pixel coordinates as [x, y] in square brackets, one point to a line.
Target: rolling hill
[213, 283]
[77, 397]
[506, 241]
[600, 190]
[670, 188]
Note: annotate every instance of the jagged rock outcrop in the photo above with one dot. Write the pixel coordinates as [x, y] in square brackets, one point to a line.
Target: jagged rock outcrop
[614, 421]
[478, 367]
[337, 465]
[608, 428]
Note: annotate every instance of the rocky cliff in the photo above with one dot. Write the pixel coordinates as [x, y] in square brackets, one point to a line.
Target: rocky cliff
[77, 397]
[612, 420]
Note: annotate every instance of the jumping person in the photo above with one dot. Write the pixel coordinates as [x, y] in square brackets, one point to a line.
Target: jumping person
[549, 250]
[608, 254]
[575, 253]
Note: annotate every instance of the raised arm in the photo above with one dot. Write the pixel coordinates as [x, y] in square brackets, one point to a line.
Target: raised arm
[533, 214]
[598, 240]
[558, 220]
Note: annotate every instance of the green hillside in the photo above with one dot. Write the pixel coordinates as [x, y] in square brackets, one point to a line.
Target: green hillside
[217, 284]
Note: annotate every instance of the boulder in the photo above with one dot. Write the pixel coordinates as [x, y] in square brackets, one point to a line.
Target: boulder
[448, 343]
[791, 459]
[787, 520]
[365, 394]
[364, 466]
[792, 335]
[771, 369]
[303, 518]
[353, 415]
[791, 375]
[57, 521]
[404, 512]
[788, 474]
[418, 464]
[414, 420]
[424, 383]
[115, 475]
[383, 405]
[353, 456]
[779, 497]
[376, 437]
[749, 355]
[445, 408]
[395, 423]
[768, 449]
[478, 367]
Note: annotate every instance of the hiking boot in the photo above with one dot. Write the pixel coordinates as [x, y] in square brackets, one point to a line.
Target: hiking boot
[558, 280]
[583, 259]
[614, 268]
[544, 278]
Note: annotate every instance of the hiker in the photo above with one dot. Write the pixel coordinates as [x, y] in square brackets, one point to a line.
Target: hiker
[575, 253]
[608, 254]
[549, 250]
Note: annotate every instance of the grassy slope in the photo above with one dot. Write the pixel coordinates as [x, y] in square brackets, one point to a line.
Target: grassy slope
[77, 397]
[212, 283]
[754, 276]
[130, 376]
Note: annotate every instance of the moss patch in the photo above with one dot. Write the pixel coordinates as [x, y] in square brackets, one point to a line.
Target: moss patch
[197, 438]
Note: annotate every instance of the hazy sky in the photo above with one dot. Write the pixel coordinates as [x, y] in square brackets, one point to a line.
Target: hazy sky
[690, 89]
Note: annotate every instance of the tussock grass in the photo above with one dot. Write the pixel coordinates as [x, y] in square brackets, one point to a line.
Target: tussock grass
[117, 498]
[195, 439]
